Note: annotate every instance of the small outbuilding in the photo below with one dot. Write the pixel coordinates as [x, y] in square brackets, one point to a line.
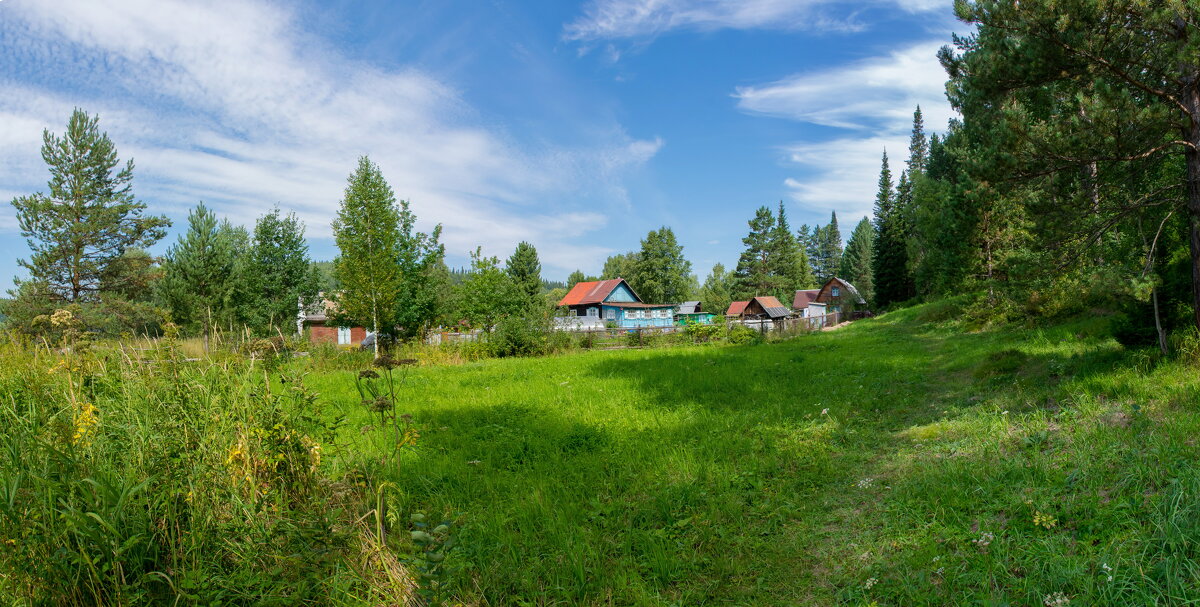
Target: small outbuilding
[312, 322]
[763, 307]
[690, 312]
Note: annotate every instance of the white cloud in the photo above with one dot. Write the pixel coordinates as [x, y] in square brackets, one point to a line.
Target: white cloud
[875, 93]
[231, 102]
[607, 19]
[873, 101]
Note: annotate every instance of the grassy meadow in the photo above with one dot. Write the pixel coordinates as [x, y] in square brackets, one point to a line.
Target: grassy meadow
[901, 460]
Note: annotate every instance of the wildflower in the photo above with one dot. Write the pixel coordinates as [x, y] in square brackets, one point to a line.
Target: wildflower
[865, 483]
[869, 583]
[368, 374]
[1057, 599]
[825, 411]
[11, 542]
[1044, 520]
[1107, 571]
[85, 422]
[940, 571]
[473, 462]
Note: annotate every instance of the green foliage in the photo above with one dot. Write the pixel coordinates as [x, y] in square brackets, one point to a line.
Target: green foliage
[525, 270]
[789, 260]
[88, 220]
[661, 273]
[198, 285]
[367, 232]
[825, 250]
[276, 275]
[856, 262]
[621, 265]
[890, 255]
[717, 292]
[488, 293]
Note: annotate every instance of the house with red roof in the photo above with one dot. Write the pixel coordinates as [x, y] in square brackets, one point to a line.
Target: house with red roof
[613, 301]
[763, 307]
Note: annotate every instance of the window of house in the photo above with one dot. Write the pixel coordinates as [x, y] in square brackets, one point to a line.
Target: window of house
[593, 312]
[610, 314]
[836, 292]
[634, 314]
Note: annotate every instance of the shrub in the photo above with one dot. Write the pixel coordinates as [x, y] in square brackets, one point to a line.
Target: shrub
[699, 333]
[520, 335]
[741, 334]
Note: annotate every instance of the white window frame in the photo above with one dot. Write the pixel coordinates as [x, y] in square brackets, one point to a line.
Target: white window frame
[345, 336]
[610, 314]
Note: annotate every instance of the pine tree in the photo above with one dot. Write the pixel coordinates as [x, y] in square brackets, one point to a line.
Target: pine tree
[662, 274]
[829, 244]
[856, 261]
[89, 219]
[788, 259]
[755, 275]
[367, 232]
[198, 274]
[525, 270]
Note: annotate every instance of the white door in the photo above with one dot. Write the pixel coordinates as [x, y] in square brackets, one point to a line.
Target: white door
[343, 336]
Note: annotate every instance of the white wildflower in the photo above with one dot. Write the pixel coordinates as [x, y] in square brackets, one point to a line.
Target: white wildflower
[865, 483]
[1057, 599]
[825, 411]
[870, 582]
[984, 540]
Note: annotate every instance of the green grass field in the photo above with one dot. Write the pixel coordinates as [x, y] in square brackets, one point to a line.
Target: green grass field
[896, 461]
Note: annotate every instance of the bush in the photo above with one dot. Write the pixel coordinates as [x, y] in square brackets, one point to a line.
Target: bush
[741, 334]
[699, 333]
[520, 335]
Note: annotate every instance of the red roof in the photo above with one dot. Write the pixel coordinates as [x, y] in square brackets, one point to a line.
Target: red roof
[805, 297]
[586, 293]
[737, 308]
[768, 301]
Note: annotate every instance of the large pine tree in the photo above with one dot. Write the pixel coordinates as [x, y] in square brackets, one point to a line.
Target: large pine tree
[88, 220]
[890, 257]
[755, 274]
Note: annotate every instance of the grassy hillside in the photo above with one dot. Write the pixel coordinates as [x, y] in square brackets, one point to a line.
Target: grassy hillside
[897, 461]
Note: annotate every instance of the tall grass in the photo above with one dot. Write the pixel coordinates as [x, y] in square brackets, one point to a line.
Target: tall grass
[130, 476]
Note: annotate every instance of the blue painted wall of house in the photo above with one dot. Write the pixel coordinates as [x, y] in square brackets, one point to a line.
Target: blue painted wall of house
[621, 317]
[621, 294]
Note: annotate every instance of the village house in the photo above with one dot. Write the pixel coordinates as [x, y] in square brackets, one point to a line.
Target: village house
[614, 302]
[312, 323]
[763, 307]
[690, 312]
[841, 297]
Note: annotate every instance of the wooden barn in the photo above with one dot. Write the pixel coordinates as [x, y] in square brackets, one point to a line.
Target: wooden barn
[841, 296]
[614, 301]
[763, 307]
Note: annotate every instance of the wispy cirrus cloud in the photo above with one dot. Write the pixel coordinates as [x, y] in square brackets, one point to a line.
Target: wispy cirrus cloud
[872, 102]
[611, 19]
[234, 103]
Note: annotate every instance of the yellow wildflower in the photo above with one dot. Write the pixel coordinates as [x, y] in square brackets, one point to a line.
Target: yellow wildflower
[1044, 520]
[85, 423]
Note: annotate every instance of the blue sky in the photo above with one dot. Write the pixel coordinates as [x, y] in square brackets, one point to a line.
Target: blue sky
[578, 126]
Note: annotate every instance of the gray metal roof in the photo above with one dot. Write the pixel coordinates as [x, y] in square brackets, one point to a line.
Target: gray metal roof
[689, 307]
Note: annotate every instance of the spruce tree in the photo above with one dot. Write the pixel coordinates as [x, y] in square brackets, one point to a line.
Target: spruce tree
[890, 259]
[525, 270]
[88, 220]
[856, 261]
[829, 245]
[278, 276]
[367, 232]
[789, 261]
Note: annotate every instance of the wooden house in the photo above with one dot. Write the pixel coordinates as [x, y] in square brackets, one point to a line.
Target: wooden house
[312, 322]
[763, 307]
[614, 302]
[690, 312]
[840, 296]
